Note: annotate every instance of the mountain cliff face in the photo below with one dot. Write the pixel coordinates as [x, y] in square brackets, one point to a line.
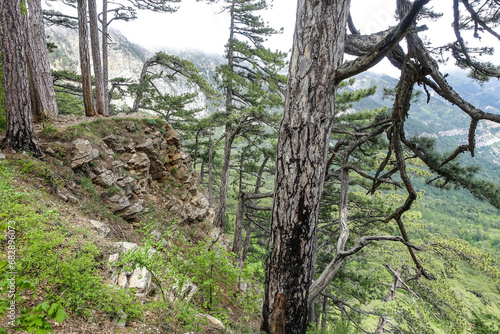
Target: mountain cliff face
[126, 61]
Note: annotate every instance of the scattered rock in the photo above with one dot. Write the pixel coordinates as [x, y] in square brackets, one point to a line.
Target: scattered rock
[131, 211]
[102, 229]
[106, 179]
[118, 202]
[50, 151]
[139, 279]
[214, 323]
[62, 196]
[122, 322]
[181, 293]
[2, 156]
[83, 153]
[124, 246]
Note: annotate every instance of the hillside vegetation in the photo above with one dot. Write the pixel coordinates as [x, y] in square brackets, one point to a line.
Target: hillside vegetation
[66, 225]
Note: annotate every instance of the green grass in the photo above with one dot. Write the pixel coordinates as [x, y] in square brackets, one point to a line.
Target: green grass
[51, 253]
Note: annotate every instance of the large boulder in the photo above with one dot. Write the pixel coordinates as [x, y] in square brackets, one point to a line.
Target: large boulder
[83, 153]
[138, 278]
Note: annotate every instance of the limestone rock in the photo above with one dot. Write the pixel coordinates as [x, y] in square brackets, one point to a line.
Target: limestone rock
[129, 186]
[124, 246]
[132, 210]
[123, 320]
[106, 179]
[2, 156]
[140, 280]
[83, 153]
[181, 293]
[214, 323]
[172, 137]
[146, 147]
[118, 202]
[138, 164]
[102, 229]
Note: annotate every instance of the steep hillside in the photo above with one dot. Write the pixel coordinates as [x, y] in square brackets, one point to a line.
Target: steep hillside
[444, 122]
[113, 229]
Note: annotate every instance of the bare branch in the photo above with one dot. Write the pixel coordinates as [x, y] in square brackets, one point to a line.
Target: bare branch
[373, 57]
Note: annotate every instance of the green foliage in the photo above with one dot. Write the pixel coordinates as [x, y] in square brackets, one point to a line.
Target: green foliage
[69, 104]
[51, 255]
[172, 108]
[29, 319]
[176, 262]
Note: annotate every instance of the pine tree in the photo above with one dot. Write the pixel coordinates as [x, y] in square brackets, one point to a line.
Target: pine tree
[250, 79]
[20, 134]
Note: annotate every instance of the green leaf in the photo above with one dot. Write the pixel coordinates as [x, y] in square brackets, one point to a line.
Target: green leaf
[41, 331]
[61, 315]
[53, 309]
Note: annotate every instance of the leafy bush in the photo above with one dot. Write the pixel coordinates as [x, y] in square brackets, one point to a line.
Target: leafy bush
[206, 264]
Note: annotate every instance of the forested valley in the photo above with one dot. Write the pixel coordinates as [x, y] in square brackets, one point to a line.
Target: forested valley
[255, 191]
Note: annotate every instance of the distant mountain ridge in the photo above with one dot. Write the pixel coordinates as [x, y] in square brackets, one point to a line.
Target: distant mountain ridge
[444, 122]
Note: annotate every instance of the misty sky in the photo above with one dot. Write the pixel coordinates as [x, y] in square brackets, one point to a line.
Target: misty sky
[199, 26]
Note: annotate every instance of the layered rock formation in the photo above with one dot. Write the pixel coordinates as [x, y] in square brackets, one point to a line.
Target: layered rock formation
[126, 169]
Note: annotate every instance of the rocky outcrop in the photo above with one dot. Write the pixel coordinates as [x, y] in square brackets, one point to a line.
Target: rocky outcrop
[83, 153]
[138, 278]
[127, 167]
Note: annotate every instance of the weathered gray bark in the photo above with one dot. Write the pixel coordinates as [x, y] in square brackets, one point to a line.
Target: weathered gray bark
[19, 133]
[220, 214]
[96, 58]
[300, 168]
[88, 99]
[238, 225]
[43, 94]
[105, 57]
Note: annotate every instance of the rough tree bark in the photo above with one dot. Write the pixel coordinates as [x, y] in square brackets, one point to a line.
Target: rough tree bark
[105, 61]
[96, 58]
[300, 168]
[43, 94]
[88, 99]
[220, 214]
[19, 133]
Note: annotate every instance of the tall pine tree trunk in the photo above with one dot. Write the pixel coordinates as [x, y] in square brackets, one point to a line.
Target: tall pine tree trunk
[220, 214]
[96, 58]
[88, 99]
[19, 134]
[44, 98]
[211, 147]
[105, 62]
[300, 167]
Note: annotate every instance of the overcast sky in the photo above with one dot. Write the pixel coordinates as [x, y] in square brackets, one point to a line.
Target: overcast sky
[200, 26]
